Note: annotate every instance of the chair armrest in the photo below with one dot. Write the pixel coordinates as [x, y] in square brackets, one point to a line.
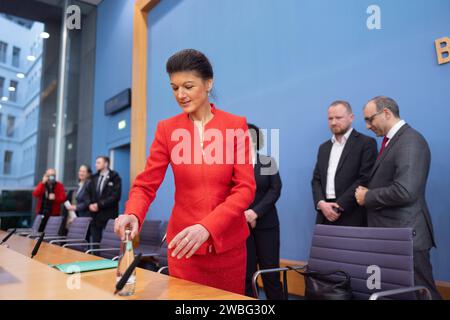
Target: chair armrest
[81, 244]
[100, 250]
[54, 237]
[162, 269]
[143, 255]
[380, 294]
[23, 233]
[33, 235]
[263, 271]
[67, 240]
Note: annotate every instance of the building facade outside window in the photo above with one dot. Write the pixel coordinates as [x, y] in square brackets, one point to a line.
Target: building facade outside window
[13, 87]
[3, 51]
[7, 162]
[16, 57]
[10, 126]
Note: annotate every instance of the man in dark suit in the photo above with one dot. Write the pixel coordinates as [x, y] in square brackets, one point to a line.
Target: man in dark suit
[395, 196]
[263, 244]
[343, 163]
[103, 195]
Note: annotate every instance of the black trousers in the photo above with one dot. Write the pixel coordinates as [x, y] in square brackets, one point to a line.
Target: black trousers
[96, 233]
[263, 250]
[423, 273]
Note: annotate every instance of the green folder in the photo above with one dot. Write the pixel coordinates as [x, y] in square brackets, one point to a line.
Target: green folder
[84, 266]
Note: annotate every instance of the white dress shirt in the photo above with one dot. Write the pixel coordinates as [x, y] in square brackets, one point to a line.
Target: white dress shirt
[394, 130]
[335, 155]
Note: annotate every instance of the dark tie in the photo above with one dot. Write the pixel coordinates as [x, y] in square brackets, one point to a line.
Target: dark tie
[383, 145]
[99, 185]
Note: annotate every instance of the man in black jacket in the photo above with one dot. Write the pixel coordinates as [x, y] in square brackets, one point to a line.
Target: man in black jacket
[343, 163]
[103, 195]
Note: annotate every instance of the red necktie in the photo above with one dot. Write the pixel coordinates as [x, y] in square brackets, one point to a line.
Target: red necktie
[383, 145]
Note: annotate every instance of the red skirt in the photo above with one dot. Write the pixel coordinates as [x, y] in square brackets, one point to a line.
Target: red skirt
[224, 271]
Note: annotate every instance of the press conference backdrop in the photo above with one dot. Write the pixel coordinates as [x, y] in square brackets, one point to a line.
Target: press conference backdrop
[280, 63]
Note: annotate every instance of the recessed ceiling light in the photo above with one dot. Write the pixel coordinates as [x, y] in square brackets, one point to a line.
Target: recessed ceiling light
[20, 75]
[4, 98]
[31, 58]
[45, 35]
[12, 89]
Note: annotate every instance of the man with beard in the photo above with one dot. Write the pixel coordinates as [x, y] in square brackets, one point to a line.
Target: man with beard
[343, 163]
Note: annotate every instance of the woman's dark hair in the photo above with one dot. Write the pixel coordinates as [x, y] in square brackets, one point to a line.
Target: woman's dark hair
[190, 60]
[88, 168]
[255, 132]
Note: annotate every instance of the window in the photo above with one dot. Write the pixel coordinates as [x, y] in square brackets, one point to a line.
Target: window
[16, 57]
[3, 50]
[2, 84]
[10, 126]
[7, 162]
[13, 90]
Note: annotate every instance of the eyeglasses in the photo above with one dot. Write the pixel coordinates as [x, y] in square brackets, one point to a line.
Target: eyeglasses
[370, 119]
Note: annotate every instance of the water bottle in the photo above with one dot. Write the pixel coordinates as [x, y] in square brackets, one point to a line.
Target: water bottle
[126, 259]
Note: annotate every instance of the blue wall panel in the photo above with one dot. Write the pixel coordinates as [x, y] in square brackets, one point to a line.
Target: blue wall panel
[280, 63]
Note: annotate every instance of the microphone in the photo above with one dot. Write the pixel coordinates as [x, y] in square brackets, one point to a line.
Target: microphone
[127, 273]
[8, 236]
[38, 244]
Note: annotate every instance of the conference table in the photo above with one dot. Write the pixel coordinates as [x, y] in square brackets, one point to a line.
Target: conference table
[24, 278]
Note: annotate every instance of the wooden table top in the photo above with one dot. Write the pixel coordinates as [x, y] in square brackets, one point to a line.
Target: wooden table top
[22, 278]
[94, 285]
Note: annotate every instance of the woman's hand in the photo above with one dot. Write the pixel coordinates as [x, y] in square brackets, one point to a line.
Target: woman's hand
[250, 216]
[126, 221]
[188, 241]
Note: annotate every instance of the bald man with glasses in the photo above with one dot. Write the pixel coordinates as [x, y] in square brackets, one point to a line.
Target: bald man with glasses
[395, 196]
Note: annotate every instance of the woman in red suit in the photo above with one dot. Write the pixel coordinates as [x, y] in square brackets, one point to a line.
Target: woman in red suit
[208, 150]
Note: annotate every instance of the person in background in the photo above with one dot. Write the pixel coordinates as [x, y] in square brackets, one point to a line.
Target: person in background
[263, 244]
[343, 163]
[50, 195]
[395, 195]
[78, 199]
[103, 195]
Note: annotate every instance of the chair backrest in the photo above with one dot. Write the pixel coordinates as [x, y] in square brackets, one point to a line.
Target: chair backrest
[354, 249]
[37, 222]
[79, 227]
[53, 226]
[109, 240]
[150, 233]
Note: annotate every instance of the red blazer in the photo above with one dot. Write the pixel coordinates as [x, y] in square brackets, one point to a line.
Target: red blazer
[212, 194]
[60, 197]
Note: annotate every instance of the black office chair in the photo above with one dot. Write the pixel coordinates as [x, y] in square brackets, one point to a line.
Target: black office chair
[34, 228]
[353, 250]
[52, 228]
[108, 247]
[77, 233]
